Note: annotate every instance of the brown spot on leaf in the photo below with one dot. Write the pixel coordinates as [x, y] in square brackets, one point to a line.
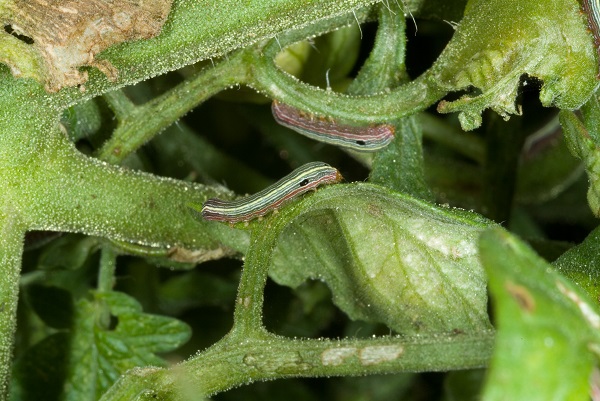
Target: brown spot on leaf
[522, 296]
[374, 210]
[65, 35]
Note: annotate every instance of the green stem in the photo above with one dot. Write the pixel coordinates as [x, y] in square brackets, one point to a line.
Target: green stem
[12, 233]
[247, 318]
[119, 103]
[138, 124]
[236, 361]
[385, 67]
[106, 282]
[405, 100]
[283, 357]
[106, 273]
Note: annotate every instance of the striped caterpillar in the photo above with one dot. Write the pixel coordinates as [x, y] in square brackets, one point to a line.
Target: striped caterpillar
[305, 178]
[363, 139]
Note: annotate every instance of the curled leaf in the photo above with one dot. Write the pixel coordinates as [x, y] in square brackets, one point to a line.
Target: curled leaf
[499, 41]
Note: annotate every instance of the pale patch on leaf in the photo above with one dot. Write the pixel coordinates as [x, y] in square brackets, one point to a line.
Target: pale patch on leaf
[57, 37]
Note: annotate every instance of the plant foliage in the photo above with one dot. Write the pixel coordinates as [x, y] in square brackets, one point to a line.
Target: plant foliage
[118, 121]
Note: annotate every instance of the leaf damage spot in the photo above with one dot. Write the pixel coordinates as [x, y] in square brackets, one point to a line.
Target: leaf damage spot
[337, 356]
[65, 35]
[522, 296]
[184, 255]
[25, 39]
[245, 301]
[282, 363]
[379, 354]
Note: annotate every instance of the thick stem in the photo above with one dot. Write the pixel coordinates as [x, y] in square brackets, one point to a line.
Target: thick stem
[402, 101]
[67, 191]
[234, 363]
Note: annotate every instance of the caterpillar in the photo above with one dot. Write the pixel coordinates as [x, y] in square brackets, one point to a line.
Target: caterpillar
[363, 139]
[305, 178]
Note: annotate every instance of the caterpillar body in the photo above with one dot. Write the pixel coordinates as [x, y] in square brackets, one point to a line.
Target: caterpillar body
[361, 138]
[305, 178]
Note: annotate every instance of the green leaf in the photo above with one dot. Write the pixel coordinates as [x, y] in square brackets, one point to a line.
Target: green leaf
[68, 252]
[53, 305]
[99, 355]
[82, 120]
[581, 264]
[389, 258]
[547, 166]
[499, 41]
[193, 289]
[39, 374]
[546, 326]
[582, 140]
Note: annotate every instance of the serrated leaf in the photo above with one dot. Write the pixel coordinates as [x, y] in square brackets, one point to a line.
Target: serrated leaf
[390, 258]
[546, 326]
[98, 356]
